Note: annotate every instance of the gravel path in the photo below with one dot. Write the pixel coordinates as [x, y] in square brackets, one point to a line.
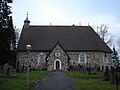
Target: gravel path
[56, 81]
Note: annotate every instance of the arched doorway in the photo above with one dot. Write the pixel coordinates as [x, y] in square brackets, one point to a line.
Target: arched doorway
[57, 64]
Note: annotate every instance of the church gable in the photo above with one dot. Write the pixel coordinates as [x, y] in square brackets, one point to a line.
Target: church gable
[58, 58]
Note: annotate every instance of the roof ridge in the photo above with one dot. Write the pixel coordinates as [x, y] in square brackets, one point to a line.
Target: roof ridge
[57, 26]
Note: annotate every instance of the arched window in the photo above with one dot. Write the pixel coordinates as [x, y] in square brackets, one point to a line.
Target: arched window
[82, 58]
[41, 58]
[105, 58]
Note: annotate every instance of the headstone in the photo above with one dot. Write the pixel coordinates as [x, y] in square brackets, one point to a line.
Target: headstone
[1, 68]
[6, 68]
[112, 73]
[118, 78]
[106, 74]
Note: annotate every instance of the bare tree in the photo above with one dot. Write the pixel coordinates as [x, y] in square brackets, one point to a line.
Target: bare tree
[107, 37]
[17, 32]
[118, 45]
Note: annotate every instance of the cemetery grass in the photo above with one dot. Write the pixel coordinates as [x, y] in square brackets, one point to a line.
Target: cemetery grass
[17, 81]
[76, 74]
[94, 85]
[84, 81]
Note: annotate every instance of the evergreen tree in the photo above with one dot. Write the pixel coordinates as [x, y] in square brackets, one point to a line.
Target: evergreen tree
[7, 33]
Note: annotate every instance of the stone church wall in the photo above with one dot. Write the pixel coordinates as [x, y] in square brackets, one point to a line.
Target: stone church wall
[93, 59]
[31, 58]
[53, 57]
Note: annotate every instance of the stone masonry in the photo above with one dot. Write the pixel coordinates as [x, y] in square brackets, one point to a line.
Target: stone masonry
[62, 58]
[51, 58]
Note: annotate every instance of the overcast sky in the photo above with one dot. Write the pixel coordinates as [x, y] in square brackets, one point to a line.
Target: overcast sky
[69, 12]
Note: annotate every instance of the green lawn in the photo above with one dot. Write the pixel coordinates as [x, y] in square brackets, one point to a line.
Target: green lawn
[91, 82]
[84, 75]
[94, 85]
[19, 83]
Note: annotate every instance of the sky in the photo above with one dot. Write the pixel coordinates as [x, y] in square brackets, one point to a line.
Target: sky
[69, 12]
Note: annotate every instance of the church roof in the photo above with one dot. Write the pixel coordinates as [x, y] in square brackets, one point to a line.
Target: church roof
[71, 38]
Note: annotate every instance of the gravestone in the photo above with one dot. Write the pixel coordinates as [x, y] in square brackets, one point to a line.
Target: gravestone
[106, 74]
[6, 68]
[1, 68]
[113, 74]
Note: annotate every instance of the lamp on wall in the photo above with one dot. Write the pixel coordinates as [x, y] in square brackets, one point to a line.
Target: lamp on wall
[41, 54]
[106, 69]
[105, 55]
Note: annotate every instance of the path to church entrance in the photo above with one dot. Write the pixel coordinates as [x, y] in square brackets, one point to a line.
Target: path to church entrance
[56, 81]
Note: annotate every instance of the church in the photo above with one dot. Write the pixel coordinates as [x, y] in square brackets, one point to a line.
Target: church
[56, 47]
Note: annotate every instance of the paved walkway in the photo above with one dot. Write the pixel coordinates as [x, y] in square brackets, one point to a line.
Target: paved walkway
[56, 81]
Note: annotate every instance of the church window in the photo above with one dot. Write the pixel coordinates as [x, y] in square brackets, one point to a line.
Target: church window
[57, 54]
[82, 58]
[105, 58]
[41, 58]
